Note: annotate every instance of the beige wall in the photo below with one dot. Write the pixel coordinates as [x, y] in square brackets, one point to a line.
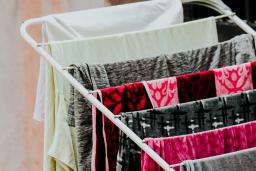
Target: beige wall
[21, 138]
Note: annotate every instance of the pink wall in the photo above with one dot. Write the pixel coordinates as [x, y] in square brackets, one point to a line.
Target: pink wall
[21, 138]
[33, 131]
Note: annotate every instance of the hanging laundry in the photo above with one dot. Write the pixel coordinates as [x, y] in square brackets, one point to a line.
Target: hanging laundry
[191, 117]
[130, 97]
[147, 123]
[235, 109]
[116, 74]
[133, 46]
[200, 85]
[162, 92]
[196, 86]
[165, 14]
[233, 79]
[204, 83]
[239, 49]
[186, 62]
[189, 147]
[214, 110]
[119, 19]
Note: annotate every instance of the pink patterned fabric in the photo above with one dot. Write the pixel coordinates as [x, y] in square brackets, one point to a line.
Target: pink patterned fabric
[233, 79]
[200, 145]
[162, 92]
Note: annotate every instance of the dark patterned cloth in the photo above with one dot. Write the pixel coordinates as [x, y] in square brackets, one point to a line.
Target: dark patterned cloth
[253, 64]
[129, 97]
[196, 86]
[235, 51]
[235, 109]
[186, 118]
[251, 102]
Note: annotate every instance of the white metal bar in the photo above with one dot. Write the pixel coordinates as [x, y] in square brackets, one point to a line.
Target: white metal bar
[90, 97]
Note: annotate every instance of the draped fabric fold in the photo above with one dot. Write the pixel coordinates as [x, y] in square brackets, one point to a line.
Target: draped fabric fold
[189, 147]
[149, 69]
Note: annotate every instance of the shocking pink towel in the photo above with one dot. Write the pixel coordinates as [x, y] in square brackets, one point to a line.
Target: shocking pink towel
[196, 86]
[129, 97]
[200, 145]
[233, 79]
[162, 92]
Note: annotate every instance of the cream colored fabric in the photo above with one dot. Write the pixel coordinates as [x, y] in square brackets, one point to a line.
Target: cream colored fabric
[140, 44]
[122, 18]
[59, 154]
[49, 162]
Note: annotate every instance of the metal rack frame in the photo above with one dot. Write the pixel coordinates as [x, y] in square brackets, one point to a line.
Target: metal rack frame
[217, 5]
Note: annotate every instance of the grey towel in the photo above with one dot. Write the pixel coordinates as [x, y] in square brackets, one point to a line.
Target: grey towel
[235, 51]
[251, 96]
[235, 109]
[241, 161]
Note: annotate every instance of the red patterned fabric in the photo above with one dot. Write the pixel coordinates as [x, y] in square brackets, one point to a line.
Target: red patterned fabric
[200, 145]
[113, 99]
[136, 97]
[162, 92]
[129, 97]
[233, 79]
[196, 86]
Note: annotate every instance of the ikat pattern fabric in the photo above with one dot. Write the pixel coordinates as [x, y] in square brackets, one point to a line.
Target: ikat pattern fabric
[233, 79]
[162, 92]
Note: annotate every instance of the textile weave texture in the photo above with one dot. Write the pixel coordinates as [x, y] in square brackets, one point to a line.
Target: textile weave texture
[177, 149]
[186, 118]
[237, 50]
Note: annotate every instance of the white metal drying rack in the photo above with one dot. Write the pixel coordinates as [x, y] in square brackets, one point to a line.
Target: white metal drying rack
[217, 5]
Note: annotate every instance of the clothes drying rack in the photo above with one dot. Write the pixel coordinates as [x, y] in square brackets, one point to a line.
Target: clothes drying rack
[216, 5]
